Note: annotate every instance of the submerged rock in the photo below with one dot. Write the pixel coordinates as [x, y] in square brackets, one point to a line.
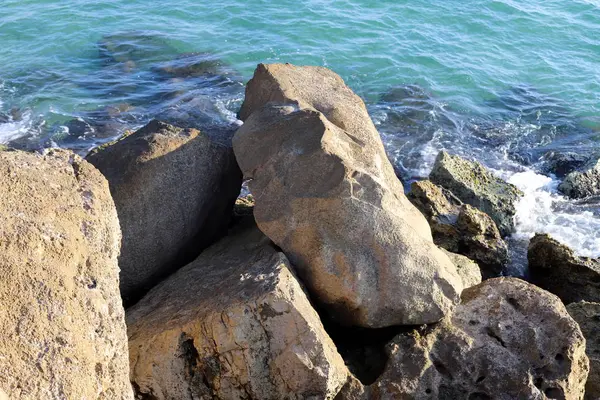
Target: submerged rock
[554, 267]
[506, 340]
[62, 327]
[134, 47]
[587, 316]
[326, 194]
[473, 184]
[584, 183]
[174, 190]
[233, 324]
[460, 228]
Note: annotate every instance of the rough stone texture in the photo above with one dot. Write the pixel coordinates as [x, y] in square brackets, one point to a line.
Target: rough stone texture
[587, 316]
[62, 328]
[561, 164]
[233, 324]
[174, 190]
[473, 184]
[327, 195]
[584, 183]
[554, 267]
[461, 228]
[507, 340]
[468, 270]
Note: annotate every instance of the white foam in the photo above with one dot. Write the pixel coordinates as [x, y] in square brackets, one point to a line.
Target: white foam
[15, 129]
[543, 210]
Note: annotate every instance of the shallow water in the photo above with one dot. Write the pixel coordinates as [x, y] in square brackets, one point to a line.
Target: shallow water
[498, 81]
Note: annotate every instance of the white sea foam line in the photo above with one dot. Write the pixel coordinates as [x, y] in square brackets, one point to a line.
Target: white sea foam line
[15, 129]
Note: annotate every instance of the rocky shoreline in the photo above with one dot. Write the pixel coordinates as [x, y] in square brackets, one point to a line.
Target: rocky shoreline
[136, 273]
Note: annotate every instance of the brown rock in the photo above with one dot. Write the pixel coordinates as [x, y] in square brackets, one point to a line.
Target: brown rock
[554, 267]
[468, 270]
[507, 340]
[233, 324]
[327, 195]
[62, 328]
[461, 228]
[174, 190]
[587, 316]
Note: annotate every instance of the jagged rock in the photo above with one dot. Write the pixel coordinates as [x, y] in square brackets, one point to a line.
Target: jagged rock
[461, 228]
[468, 270]
[327, 195]
[506, 340]
[587, 316]
[233, 324]
[584, 183]
[473, 184]
[561, 164]
[174, 190]
[554, 267]
[62, 327]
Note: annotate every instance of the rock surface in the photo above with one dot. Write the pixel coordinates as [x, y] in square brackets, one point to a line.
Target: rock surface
[473, 184]
[468, 270]
[584, 183]
[587, 315]
[62, 327]
[561, 164]
[174, 190]
[507, 340]
[233, 324]
[326, 194]
[461, 228]
[554, 267]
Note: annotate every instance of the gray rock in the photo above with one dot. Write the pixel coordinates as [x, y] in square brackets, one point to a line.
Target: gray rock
[461, 228]
[584, 183]
[233, 324]
[507, 340]
[327, 195]
[62, 325]
[561, 164]
[473, 184]
[554, 267]
[587, 316]
[468, 270]
[174, 190]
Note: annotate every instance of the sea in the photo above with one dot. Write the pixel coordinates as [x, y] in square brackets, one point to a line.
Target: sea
[503, 82]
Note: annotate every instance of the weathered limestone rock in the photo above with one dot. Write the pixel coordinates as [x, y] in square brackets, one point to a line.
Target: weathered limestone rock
[554, 267]
[506, 340]
[62, 328]
[473, 184]
[174, 190]
[461, 228]
[468, 270]
[587, 316]
[326, 194]
[583, 183]
[233, 324]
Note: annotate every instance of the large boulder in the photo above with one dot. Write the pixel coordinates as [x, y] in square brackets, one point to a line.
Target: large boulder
[174, 190]
[327, 195]
[473, 184]
[587, 316]
[554, 267]
[583, 183]
[468, 270]
[62, 327]
[460, 228]
[507, 340]
[233, 324]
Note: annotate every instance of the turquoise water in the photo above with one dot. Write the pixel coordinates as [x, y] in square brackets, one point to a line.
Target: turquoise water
[499, 81]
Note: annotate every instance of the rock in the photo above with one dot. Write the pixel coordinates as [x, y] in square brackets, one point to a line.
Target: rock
[561, 164]
[584, 183]
[327, 195]
[587, 315]
[507, 340]
[233, 324]
[473, 184]
[461, 228]
[554, 267]
[62, 327]
[468, 270]
[174, 190]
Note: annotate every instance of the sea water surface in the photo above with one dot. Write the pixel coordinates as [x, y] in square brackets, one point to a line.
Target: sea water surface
[499, 81]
